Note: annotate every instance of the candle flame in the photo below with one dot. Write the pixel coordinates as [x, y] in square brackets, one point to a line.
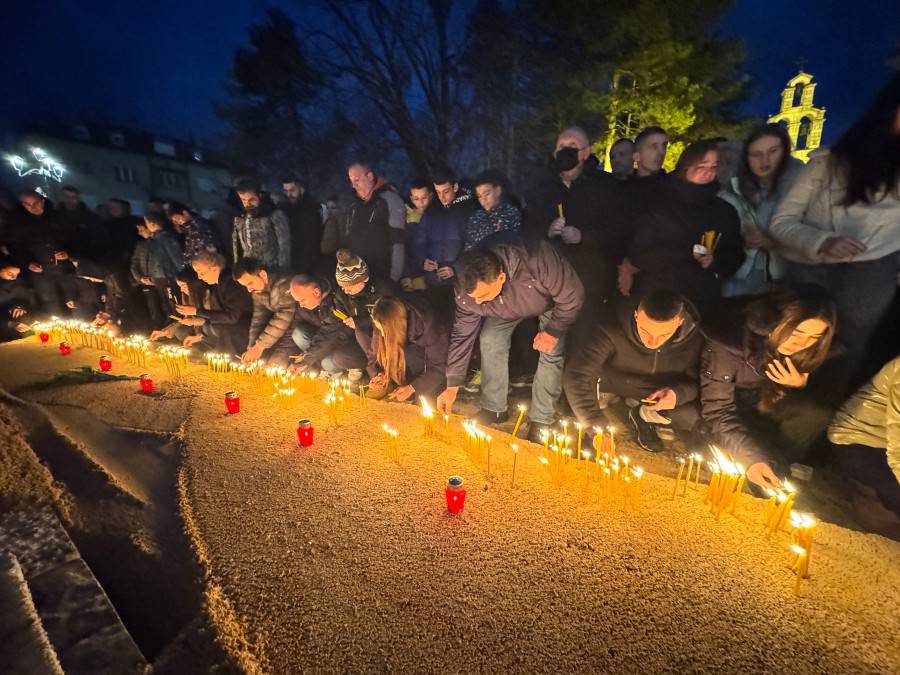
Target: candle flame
[544, 460]
[799, 550]
[522, 407]
[514, 447]
[637, 472]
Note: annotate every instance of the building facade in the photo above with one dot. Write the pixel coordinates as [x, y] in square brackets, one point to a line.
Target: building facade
[803, 121]
[108, 162]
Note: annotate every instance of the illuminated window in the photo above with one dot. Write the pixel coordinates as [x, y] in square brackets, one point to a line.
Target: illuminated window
[164, 148]
[803, 134]
[125, 174]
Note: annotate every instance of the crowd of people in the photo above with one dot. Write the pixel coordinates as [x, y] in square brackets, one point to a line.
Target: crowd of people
[737, 306]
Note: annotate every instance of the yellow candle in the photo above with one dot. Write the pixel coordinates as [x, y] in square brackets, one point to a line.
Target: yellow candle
[515, 450]
[738, 490]
[699, 459]
[688, 479]
[678, 478]
[522, 410]
[800, 566]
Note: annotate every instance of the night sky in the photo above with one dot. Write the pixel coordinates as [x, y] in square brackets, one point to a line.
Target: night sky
[158, 64]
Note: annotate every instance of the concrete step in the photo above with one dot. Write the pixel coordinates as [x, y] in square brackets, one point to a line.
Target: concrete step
[75, 614]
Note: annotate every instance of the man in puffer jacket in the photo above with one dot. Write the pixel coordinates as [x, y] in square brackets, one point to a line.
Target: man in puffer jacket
[272, 321]
[261, 232]
[501, 283]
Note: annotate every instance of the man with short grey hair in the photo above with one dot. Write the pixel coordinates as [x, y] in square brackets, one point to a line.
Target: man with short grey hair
[575, 207]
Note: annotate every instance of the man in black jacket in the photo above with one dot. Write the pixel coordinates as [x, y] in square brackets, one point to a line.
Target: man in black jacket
[304, 214]
[221, 308]
[323, 339]
[649, 355]
[576, 207]
[501, 283]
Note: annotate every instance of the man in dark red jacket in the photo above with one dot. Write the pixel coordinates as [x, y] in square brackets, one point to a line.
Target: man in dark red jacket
[501, 283]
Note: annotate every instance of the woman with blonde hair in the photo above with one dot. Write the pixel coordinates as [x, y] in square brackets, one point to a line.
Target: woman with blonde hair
[409, 349]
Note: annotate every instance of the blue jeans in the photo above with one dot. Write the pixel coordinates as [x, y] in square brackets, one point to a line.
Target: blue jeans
[496, 335]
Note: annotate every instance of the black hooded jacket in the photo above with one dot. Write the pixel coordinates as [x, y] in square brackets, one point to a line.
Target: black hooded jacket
[614, 348]
[667, 222]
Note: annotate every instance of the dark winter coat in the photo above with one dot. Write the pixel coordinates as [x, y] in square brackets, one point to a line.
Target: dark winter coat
[482, 224]
[305, 220]
[264, 235]
[426, 333]
[667, 223]
[375, 230]
[14, 294]
[538, 281]
[441, 234]
[159, 257]
[225, 303]
[358, 306]
[733, 361]
[331, 332]
[590, 204]
[35, 239]
[198, 234]
[273, 312]
[614, 348]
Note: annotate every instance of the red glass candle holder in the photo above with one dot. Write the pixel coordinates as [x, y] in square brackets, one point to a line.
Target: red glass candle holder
[232, 402]
[455, 493]
[146, 383]
[64, 348]
[306, 434]
[45, 337]
[105, 364]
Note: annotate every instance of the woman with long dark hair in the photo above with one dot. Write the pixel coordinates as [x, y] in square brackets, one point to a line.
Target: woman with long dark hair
[409, 347]
[669, 224]
[841, 219]
[752, 370]
[765, 173]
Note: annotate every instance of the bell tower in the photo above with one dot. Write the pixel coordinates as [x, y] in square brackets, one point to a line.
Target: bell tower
[799, 116]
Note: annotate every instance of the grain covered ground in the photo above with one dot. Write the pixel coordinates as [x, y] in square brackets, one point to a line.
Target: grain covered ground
[337, 558]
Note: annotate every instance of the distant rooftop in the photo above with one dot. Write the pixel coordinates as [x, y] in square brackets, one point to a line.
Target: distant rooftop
[130, 140]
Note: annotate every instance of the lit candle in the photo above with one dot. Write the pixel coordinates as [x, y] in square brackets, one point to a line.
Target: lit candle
[637, 473]
[522, 410]
[740, 487]
[105, 364]
[515, 451]
[146, 383]
[678, 478]
[64, 348]
[232, 402]
[699, 459]
[545, 434]
[799, 566]
[580, 429]
[688, 479]
[455, 494]
[44, 337]
[598, 441]
[305, 433]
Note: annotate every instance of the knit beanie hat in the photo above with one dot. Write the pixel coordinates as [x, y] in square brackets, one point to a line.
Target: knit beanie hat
[351, 269]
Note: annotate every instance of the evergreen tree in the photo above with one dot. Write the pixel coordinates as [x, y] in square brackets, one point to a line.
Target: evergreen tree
[272, 84]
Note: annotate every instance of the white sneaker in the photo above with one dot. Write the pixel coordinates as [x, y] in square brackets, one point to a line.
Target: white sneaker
[354, 374]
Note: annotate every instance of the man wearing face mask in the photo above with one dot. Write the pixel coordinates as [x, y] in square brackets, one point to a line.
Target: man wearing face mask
[648, 354]
[575, 207]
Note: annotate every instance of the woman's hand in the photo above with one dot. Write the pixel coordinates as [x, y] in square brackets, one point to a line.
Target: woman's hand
[402, 393]
[786, 374]
[761, 474]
